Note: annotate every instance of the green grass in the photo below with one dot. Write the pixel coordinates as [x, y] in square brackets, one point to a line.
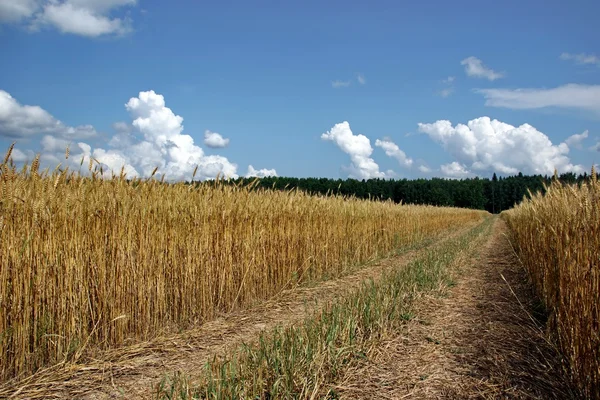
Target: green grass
[299, 361]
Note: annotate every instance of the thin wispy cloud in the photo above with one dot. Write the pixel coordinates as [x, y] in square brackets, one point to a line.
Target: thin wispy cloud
[449, 89]
[361, 79]
[577, 139]
[581, 58]
[337, 84]
[475, 68]
[575, 96]
[446, 92]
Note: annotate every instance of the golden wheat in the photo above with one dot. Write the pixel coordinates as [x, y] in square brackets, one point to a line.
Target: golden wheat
[102, 262]
[557, 236]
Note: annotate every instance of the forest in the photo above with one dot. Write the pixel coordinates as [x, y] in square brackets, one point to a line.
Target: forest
[493, 195]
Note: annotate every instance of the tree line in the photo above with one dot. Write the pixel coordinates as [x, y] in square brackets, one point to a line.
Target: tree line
[494, 195]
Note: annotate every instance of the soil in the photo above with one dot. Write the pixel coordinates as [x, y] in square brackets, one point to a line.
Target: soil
[477, 340]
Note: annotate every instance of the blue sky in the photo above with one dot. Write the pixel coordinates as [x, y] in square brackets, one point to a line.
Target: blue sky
[278, 80]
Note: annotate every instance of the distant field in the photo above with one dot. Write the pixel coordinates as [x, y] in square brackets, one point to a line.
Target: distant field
[91, 262]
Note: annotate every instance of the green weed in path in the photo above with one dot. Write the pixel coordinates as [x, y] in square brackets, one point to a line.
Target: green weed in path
[300, 361]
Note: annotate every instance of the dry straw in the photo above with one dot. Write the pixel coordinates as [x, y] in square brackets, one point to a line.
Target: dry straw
[557, 236]
[96, 263]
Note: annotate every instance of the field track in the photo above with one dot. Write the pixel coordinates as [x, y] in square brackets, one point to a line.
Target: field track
[477, 340]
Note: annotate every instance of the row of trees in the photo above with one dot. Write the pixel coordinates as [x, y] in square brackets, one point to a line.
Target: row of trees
[493, 195]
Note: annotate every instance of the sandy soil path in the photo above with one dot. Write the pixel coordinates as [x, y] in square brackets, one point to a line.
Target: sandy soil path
[478, 340]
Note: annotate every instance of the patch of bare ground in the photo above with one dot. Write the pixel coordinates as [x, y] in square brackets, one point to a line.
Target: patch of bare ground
[131, 372]
[477, 340]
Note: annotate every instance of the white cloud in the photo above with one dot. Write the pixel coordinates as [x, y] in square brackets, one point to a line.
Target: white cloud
[486, 145]
[260, 173]
[361, 79]
[446, 92]
[164, 145]
[340, 84]
[424, 169]
[358, 147]
[17, 10]
[90, 18]
[101, 6]
[81, 20]
[155, 138]
[455, 170]
[575, 140]
[595, 147]
[474, 67]
[215, 140]
[449, 89]
[23, 121]
[392, 150]
[19, 156]
[586, 97]
[52, 144]
[581, 58]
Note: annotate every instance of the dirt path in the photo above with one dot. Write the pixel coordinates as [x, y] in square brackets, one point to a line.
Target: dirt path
[132, 372]
[476, 341]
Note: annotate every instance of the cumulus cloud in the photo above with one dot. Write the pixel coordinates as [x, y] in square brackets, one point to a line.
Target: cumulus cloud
[19, 156]
[153, 139]
[595, 147]
[215, 140]
[361, 79]
[340, 84]
[51, 144]
[358, 147]
[392, 150]
[23, 121]
[260, 173]
[164, 145]
[82, 19]
[576, 139]
[585, 97]
[485, 145]
[475, 68]
[17, 10]
[424, 169]
[90, 18]
[455, 170]
[581, 58]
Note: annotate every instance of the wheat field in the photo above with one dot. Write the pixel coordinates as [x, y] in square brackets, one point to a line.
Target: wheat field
[90, 262]
[557, 236]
